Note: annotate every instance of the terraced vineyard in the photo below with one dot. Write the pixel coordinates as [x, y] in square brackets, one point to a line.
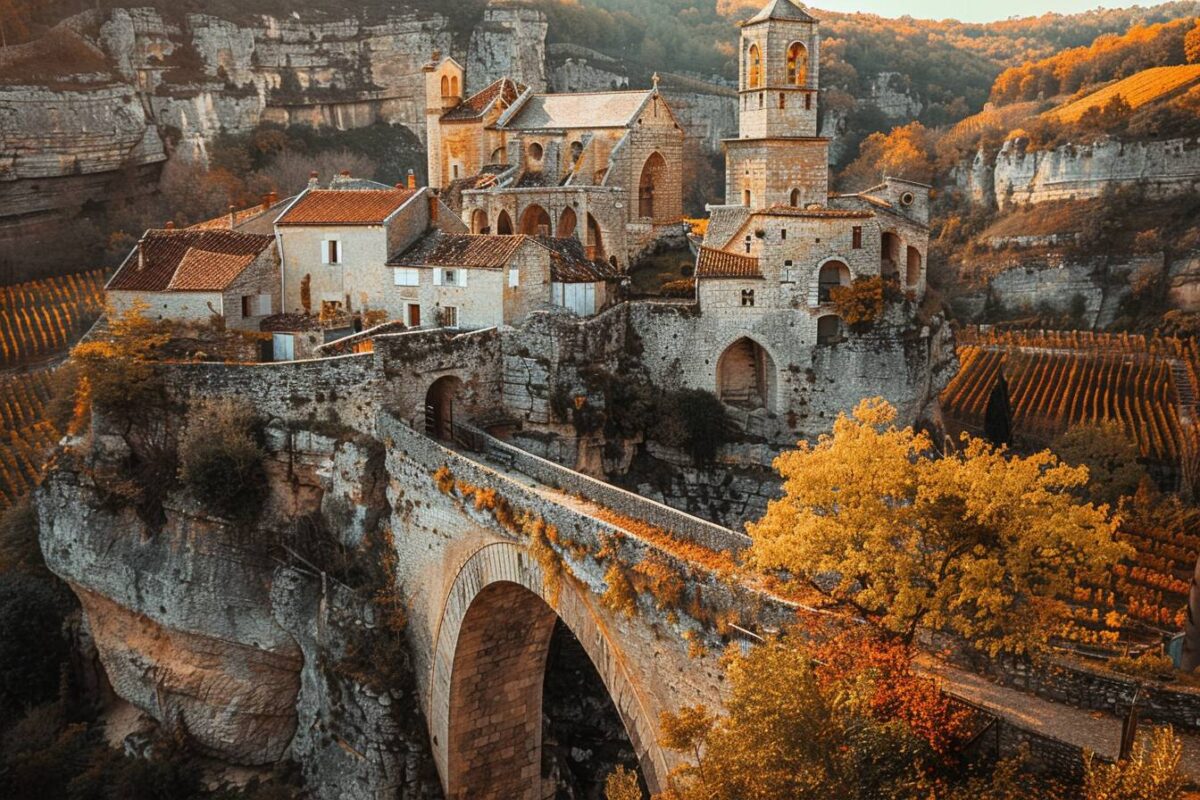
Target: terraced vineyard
[28, 435]
[1060, 379]
[1138, 90]
[42, 318]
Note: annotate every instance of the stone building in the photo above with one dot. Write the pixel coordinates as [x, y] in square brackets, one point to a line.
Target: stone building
[603, 167]
[774, 252]
[481, 280]
[194, 275]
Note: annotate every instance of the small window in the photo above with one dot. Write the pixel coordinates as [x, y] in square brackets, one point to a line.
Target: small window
[746, 197]
[748, 298]
[749, 242]
[808, 102]
[762, 99]
[783, 234]
[407, 276]
[789, 272]
[256, 305]
[857, 235]
[449, 316]
[454, 168]
[536, 152]
[451, 277]
[782, 100]
[333, 251]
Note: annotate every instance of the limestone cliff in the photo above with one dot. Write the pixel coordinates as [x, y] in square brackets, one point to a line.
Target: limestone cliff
[509, 41]
[227, 631]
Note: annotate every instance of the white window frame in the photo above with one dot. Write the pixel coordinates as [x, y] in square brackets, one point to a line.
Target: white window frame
[450, 276]
[325, 251]
[406, 276]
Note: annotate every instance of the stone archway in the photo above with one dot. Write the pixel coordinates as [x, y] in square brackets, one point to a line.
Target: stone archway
[439, 406]
[831, 275]
[504, 226]
[489, 661]
[479, 221]
[889, 254]
[567, 223]
[913, 267]
[595, 239]
[746, 375]
[535, 221]
[654, 172]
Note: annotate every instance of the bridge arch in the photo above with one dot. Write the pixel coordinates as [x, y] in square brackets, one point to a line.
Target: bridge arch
[489, 661]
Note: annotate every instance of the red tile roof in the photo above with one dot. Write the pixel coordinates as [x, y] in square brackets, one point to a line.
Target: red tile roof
[818, 213]
[474, 106]
[568, 258]
[720, 264]
[569, 262]
[209, 256]
[350, 207]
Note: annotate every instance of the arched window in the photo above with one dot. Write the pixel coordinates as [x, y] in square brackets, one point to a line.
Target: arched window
[445, 86]
[454, 86]
[889, 255]
[754, 78]
[913, 267]
[829, 329]
[536, 152]
[746, 197]
[797, 64]
[832, 275]
[654, 172]
[479, 221]
[595, 240]
[567, 223]
[576, 151]
[794, 200]
[504, 226]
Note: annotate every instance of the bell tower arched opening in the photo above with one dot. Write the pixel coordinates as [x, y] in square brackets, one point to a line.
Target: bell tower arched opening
[797, 64]
[754, 68]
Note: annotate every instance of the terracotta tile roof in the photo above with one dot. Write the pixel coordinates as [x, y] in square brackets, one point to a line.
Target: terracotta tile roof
[569, 262]
[578, 110]
[720, 264]
[439, 249]
[818, 213]
[505, 89]
[345, 207]
[207, 257]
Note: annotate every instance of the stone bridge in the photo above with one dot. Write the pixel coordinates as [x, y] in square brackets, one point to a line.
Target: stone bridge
[492, 555]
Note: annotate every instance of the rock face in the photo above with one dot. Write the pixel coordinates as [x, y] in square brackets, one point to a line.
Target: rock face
[1080, 172]
[510, 41]
[200, 622]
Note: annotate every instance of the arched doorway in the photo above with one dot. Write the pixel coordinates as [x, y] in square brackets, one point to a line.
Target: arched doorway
[794, 200]
[746, 375]
[567, 223]
[504, 226]
[913, 271]
[535, 221]
[797, 64]
[497, 643]
[832, 275]
[439, 406]
[479, 221]
[595, 239]
[654, 171]
[889, 255]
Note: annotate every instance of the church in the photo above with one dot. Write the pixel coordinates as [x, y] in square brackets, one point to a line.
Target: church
[603, 167]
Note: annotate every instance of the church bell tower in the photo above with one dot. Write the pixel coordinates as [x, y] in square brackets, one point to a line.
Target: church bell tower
[778, 159]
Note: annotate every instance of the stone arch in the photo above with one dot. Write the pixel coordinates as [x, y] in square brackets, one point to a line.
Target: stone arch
[794, 198]
[797, 64]
[491, 645]
[654, 173]
[567, 223]
[831, 274]
[889, 254]
[595, 239]
[535, 221]
[746, 375]
[479, 221]
[829, 329]
[913, 264]
[754, 68]
[504, 226]
[440, 399]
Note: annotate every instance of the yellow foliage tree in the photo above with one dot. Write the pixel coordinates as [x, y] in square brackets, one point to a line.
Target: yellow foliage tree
[981, 543]
[116, 368]
[1151, 773]
[622, 784]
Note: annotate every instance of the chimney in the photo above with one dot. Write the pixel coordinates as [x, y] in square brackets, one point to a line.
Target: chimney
[273, 197]
[314, 180]
[437, 56]
[232, 216]
[433, 208]
[170, 225]
[412, 179]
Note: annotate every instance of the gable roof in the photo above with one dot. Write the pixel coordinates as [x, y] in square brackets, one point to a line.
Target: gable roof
[781, 9]
[345, 206]
[578, 110]
[505, 89]
[568, 257]
[188, 260]
[720, 264]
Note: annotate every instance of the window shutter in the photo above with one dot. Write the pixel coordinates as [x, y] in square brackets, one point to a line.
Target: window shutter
[324, 251]
[462, 278]
[514, 278]
[437, 276]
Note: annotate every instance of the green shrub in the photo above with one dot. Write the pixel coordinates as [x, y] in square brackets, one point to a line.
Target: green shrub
[221, 460]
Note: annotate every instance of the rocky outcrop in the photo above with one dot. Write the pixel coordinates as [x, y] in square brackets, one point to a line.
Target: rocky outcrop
[510, 41]
[1019, 175]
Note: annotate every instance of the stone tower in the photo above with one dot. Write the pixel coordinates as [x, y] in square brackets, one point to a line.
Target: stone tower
[778, 159]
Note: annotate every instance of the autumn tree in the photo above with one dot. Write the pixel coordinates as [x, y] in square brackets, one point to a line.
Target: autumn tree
[622, 784]
[1191, 44]
[907, 152]
[980, 542]
[1110, 455]
[1152, 772]
[846, 717]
